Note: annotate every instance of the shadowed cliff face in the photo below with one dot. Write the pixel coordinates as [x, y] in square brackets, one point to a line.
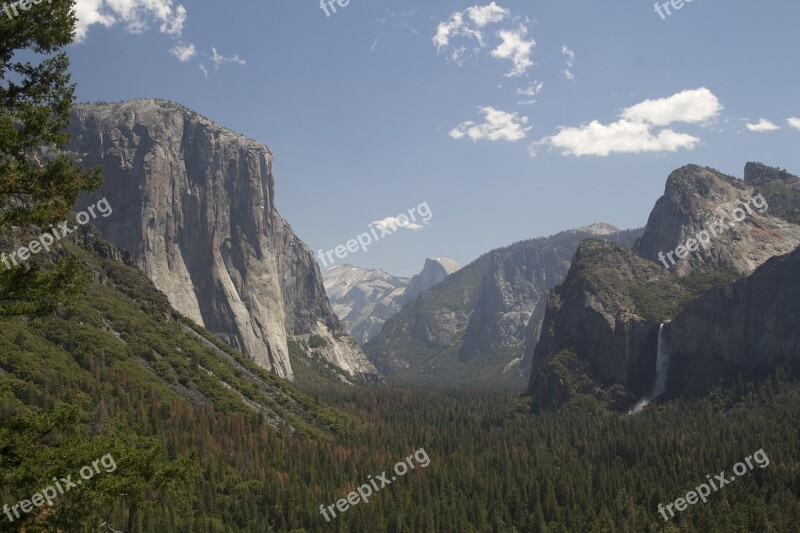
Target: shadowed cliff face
[747, 327]
[194, 204]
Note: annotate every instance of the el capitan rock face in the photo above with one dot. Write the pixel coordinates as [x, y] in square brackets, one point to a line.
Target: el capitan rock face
[194, 204]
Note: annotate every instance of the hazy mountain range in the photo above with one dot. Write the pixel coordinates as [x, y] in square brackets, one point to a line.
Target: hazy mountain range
[364, 298]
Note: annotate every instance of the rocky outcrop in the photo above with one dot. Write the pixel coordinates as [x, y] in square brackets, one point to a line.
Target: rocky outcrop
[510, 291]
[605, 316]
[365, 299]
[779, 188]
[697, 199]
[194, 204]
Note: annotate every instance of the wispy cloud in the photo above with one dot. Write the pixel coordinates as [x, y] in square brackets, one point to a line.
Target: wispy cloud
[497, 126]
[463, 33]
[139, 16]
[219, 59]
[762, 126]
[392, 223]
[635, 131]
[532, 90]
[570, 59]
[453, 28]
[492, 13]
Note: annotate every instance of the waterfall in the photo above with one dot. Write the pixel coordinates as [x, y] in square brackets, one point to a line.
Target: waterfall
[662, 369]
[662, 363]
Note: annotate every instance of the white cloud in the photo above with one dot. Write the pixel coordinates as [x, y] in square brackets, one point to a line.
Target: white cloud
[184, 53]
[468, 25]
[515, 48]
[531, 90]
[393, 223]
[88, 14]
[794, 122]
[762, 126]
[482, 16]
[498, 126]
[136, 15]
[173, 25]
[527, 102]
[204, 70]
[698, 105]
[618, 137]
[634, 131]
[570, 58]
[455, 27]
[219, 59]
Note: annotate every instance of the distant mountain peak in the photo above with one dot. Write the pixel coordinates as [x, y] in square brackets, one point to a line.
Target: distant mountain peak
[365, 298]
[598, 228]
[434, 271]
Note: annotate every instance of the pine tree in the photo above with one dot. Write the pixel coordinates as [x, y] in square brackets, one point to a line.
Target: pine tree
[39, 183]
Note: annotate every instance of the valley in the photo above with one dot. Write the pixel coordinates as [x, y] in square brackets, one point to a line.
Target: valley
[599, 331]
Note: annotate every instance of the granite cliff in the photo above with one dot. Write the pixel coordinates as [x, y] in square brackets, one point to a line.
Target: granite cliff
[194, 205]
[746, 328]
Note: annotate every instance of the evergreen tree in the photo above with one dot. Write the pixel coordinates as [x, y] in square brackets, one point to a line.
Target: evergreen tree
[39, 183]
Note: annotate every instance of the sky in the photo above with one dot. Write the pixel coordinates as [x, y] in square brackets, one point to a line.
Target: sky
[508, 120]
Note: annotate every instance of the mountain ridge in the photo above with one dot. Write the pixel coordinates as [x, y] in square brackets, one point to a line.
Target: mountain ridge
[365, 298]
[472, 326]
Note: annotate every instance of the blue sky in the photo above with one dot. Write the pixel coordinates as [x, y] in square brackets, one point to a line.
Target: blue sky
[384, 105]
